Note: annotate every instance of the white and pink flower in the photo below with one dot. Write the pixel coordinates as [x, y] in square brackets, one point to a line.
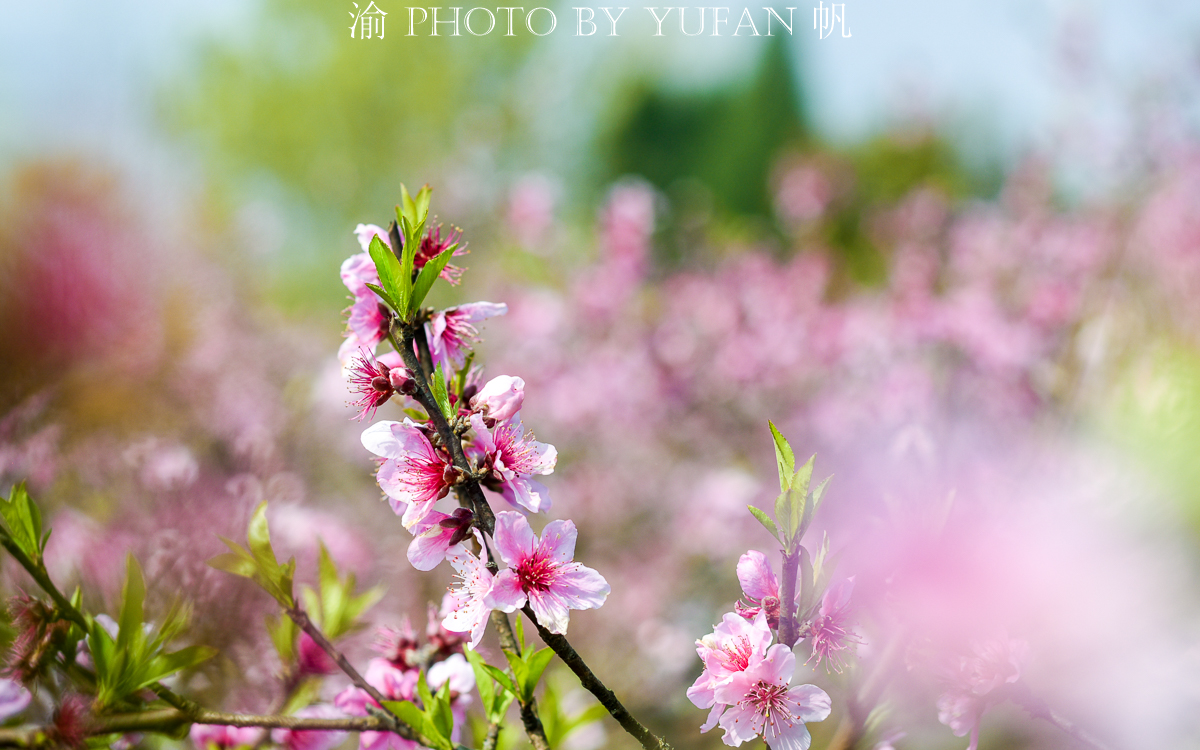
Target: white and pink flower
[467, 610]
[413, 475]
[221, 737]
[830, 630]
[435, 534]
[762, 705]
[513, 458]
[452, 331]
[367, 322]
[542, 572]
[732, 646]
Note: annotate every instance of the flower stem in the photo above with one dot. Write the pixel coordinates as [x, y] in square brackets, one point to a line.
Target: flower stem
[788, 630]
[588, 680]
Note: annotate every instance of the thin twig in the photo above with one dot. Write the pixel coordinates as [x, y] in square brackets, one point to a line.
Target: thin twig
[788, 630]
[588, 680]
[493, 735]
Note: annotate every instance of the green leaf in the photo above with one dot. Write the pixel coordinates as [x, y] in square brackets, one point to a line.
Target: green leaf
[133, 598]
[412, 241]
[419, 721]
[166, 665]
[391, 274]
[283, 631]
[520, 628]
[237, 561]
[500, 677]
[421, 203]
[425, 279]
[784, 457]
[820, 493]
[383, 295]
[24, 522]
[799, 482]
[535, 665]
[519, 670]
[408, 207]
[440, 712]
[437, 384]
[766, 521]
[483, 682]
[423, 690]
[783, 511]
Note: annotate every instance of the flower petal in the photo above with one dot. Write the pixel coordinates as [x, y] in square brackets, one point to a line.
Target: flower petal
[515, 540]
[756, 577]
[505, 594]
[558, 540]
[580, 587]
[552, 612]
[811, 703]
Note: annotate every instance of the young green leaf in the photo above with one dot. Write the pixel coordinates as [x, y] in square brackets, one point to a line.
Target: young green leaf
[391, 277]
[500, 677]
[520, 628]
[382, 293]
[24, 522]
[766, 521]
[425, 279]
[535, 665]
[440, 712]
[437, 384]
[420, 722]
[783, 511]
[483, 682]
[421, 203]
[283, 631]
[784, 457]
[133, 597]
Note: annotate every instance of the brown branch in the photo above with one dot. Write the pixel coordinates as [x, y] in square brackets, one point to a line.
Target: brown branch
[588, 680]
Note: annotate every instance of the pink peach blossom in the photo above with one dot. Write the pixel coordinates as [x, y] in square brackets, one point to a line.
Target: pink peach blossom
[413, 475]
[542, 572]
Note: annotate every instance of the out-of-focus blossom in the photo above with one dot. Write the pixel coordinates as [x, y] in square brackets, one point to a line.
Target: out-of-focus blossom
[829, 630]
[803, 194]
[542, 572]
[413, 475]
[394, 684]
[452, 331]
[221, 737]
[312, 659]
[465, 605]
[161, 465]
[435, 534]
[293, 739]
[761, 703]
[512, 459]
[531, 209]
[760, 586]
[455, 670]
[500, 399]
[732, 646]
[973, 680]
[367, 322]
[14, 698]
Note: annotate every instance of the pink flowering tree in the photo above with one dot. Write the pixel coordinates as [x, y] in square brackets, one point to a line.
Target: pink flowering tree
[464, 479]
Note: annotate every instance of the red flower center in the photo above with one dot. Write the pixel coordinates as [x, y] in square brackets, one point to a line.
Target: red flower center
[535, 573]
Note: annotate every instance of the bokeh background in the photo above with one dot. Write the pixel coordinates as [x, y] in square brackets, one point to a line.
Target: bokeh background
[957, 255]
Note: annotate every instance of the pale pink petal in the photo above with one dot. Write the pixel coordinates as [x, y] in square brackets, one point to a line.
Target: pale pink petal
[454, 669]
[552, 612]
[811, 703]
[501, 398]
[741, 724]
[756, 577]
[580, 587]
[527, 493]
[515, 540]
[713, 716]
[396, 439]
[430, 541]
[506, 593]
[474, 312]
[364, 233]
[781, 735]
[558, 540]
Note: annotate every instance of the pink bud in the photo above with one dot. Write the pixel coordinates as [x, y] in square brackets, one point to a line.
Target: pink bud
[501, 398]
